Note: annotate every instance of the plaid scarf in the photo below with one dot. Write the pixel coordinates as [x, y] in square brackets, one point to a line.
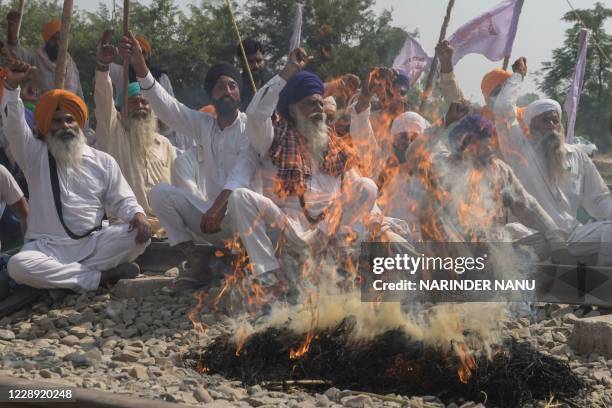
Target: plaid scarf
[290, 154]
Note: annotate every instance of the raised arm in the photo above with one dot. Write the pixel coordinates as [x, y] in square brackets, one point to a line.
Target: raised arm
[169, 110]
[259, 123]
[106, 113]
[448, 83]
[23, 144]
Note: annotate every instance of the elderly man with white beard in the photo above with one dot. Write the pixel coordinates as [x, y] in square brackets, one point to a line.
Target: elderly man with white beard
[144, 156]
[71, 186]
[312, 194]
[558, 175]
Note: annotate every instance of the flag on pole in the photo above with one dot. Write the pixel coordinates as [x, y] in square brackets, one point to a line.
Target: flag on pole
[412, 59]
[490, 34]
[573, 95]
[297, 28]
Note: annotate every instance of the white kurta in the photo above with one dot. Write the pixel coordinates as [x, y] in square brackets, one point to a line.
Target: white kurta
[583, 187]
[99, 187]
[222, 160]
[141, 173]
[43, 76]
[257, 217]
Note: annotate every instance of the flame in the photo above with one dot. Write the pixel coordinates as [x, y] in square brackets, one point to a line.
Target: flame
[192, 315]
[294, 354]
[468, 363]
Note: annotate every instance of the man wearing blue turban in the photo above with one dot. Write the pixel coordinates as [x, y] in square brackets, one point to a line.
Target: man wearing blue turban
[311, 190]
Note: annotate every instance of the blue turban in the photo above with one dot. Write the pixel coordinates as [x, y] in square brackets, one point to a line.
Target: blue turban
[471, 129]
[298, 87]
[133, 90]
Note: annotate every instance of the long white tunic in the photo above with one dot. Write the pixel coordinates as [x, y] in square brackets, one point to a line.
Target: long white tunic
[584, 186]
[227, 159]
[85, 196]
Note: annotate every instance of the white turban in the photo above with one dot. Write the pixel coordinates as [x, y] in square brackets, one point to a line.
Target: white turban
[329, 102]
[539, 107]
[409, 122]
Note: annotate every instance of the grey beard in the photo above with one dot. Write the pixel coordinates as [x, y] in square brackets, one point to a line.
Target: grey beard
[141, 132]
[314, 131]
[67, 150]
[551, 149]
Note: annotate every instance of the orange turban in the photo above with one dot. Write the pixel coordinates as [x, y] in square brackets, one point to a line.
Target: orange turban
[49, 29]
[56, 99]
[145, 45]
[492, 80]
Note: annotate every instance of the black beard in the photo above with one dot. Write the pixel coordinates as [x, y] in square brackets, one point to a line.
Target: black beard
[226, 106]
[52, 51]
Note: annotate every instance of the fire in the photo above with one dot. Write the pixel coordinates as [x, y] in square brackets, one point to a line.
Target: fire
[294, 354]
[468, 363]
[192, 315]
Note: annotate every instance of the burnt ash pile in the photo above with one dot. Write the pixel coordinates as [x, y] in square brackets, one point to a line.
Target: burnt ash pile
[392, 363]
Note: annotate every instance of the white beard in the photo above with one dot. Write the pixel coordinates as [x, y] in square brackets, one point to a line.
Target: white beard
[551, 149]
[67, 152]
[314, 129]
[141, 133]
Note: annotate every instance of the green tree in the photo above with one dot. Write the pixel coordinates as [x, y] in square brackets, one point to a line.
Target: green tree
[596, 99]
[343, 35]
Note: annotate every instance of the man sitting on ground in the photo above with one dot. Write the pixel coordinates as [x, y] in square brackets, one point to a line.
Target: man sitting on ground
[222, 161]
[71, 186]
[144, 156]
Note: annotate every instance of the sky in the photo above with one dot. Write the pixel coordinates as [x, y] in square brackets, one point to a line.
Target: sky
[540, 31]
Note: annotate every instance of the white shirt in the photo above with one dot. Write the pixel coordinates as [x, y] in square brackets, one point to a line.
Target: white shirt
[584, 186]
[10, 192]
[86, 196]
[227, 159]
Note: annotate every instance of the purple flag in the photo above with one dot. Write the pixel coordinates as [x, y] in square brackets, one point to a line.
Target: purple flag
[573, 95]
[297, 28]
[490, 34]
[412, 59]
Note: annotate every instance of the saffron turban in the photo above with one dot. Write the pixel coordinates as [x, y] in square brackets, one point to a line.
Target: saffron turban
[216, 71]
[539, 107]
[409, 122]
[470, 130]
[56, 99]
[298, 87]
[49, 29]
[145, 45]
[492, 80]
[133, 90]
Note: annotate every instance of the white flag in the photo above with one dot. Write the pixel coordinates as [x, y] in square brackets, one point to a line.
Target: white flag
[412, 59]
[573, 95]
[297, 28]
[490, 34]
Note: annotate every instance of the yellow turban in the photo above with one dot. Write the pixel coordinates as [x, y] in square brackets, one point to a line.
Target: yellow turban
[56, 99]
[49, 29]
[145, 45]
[492, 80]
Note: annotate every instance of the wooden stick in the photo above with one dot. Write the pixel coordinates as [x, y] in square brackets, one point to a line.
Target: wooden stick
[126, 64]
[62, 57]
[506, 61]
[242, 52]
[21, 10]
[434, 62]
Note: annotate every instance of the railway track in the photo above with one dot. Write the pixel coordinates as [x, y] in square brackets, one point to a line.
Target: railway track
[86, 398]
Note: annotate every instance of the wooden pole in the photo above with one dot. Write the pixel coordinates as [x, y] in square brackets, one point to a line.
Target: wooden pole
[434, 62]
[506, 61]
[126, 64]
[21, 11]
[62, 57]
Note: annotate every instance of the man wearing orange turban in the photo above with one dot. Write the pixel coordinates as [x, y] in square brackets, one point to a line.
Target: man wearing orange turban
[71, 187]
[45, 57]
